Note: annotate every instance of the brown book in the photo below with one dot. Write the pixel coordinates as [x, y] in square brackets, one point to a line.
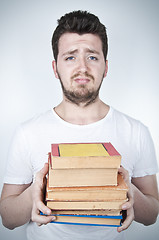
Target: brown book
[116, 205]
[100, 193]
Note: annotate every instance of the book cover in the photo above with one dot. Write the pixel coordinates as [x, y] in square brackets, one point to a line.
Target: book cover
[84, 155]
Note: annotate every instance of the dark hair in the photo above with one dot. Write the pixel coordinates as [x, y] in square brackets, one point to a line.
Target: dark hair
[80, 22]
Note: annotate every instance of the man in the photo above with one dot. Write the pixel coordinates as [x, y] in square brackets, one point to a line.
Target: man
[80, 52]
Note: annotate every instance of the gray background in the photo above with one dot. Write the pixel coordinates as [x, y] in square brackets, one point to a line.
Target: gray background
[28, 86]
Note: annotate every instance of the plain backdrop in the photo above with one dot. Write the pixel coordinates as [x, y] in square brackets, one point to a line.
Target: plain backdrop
[28, 86]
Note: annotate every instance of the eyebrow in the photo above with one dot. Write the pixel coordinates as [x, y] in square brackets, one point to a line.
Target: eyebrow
[88, 50]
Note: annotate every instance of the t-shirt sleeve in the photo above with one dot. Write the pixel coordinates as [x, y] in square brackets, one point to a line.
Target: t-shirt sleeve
[146, 163]
[18, 170]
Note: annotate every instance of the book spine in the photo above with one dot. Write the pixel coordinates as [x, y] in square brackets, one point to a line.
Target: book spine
[110, 149]
[55, 150]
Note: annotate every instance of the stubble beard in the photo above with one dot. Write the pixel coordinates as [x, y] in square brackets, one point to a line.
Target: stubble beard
[82, 95]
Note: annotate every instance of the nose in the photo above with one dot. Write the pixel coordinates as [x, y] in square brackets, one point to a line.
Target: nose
[82, 65]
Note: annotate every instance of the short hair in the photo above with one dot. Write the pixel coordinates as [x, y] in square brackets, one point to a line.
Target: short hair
[80, 22]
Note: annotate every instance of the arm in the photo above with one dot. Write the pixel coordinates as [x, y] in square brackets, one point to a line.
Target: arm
[15, 205]
[22, 203]
[146, 201]
[143, 204]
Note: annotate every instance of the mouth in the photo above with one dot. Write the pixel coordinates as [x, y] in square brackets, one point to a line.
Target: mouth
[82, 80]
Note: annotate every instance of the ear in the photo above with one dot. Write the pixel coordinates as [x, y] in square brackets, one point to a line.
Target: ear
[106, 68]
[54, 66]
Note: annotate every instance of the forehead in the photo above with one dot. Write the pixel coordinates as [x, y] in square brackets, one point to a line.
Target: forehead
[70, 41]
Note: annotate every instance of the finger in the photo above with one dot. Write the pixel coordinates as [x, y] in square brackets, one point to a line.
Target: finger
[43, 208]
[39, 224]
[41, 219]
[128, 220]
[124, 173]
[127, 205]
[121, 169]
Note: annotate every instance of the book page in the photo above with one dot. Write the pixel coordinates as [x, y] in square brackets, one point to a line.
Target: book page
[82, 150]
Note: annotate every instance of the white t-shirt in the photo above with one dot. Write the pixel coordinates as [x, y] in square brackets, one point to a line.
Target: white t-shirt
[32, 141]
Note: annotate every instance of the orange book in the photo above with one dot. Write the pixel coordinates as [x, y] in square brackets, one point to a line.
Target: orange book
[91, 193]
[89, 220]
[103, 205]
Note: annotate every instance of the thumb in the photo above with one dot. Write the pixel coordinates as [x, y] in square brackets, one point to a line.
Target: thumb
[42, 173]
[45, 169]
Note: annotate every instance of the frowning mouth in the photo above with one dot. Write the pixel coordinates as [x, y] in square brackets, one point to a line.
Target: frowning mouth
[82, 80]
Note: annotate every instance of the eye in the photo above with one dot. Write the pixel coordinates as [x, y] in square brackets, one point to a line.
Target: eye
[70, 58]
[93, 58]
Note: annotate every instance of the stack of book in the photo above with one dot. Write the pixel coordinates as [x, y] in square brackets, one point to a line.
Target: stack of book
[84, 186]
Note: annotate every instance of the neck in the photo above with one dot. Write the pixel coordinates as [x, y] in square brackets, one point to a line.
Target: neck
[81, 114]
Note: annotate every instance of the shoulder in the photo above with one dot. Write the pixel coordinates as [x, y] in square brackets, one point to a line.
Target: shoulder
[126, 121]
[36, 125]
[131, 129]
[38, 120]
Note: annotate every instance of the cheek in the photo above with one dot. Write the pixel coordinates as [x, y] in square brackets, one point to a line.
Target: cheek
[100, 73]
[63, 70]
[64, 77]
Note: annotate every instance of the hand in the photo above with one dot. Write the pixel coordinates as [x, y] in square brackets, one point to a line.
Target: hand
[128, 206]
[38, 189]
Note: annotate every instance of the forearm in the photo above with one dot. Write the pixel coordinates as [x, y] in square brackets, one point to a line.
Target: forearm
[146, 207]
[16, 209]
